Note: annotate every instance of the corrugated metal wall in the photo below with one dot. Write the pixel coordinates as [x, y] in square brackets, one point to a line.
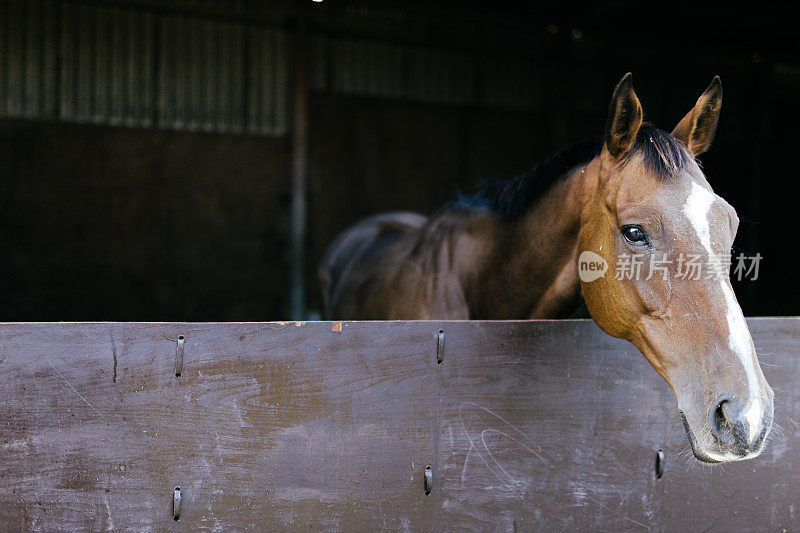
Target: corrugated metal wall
[28, 58]
[378, 69]
[140, 65]
[106, 66]
[135, 66]
[222, 76]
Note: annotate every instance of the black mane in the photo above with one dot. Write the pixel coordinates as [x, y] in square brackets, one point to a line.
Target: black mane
[662, 155]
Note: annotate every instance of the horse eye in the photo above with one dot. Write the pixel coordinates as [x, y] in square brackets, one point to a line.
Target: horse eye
[635, 235]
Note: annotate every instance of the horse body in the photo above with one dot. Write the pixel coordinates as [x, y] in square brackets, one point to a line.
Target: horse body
[458, 264]
[512, 252]
[466, 261]
[402, 266]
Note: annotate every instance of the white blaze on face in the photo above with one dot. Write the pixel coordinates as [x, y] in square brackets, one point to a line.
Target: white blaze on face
[697, 208]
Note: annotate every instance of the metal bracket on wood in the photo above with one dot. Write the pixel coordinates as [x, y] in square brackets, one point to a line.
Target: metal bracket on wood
[179, 356]
[176, 503]
[440, 347]
[659, 464]
[428, 480]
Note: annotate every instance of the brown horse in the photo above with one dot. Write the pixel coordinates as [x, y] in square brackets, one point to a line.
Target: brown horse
[635, 197]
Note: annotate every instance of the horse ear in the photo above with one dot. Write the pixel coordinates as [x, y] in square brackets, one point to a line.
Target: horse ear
[697, 128]
[624, 118]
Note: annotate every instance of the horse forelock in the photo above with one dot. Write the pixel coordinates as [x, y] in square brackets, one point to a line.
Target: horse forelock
[661, 153]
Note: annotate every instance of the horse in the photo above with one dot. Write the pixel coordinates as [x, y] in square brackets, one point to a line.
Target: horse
[539, 245]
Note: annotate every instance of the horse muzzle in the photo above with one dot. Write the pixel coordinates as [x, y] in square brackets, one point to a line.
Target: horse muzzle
[736, 430]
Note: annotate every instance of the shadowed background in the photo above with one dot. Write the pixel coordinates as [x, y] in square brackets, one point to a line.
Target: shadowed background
[147, 146]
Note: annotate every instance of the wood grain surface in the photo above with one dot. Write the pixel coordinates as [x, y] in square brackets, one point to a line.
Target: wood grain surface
[526, 425]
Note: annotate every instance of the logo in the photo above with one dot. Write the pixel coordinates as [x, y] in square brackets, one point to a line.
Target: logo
[591, 266]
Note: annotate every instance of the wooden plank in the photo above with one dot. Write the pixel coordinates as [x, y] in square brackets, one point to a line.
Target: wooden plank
[526, 425]
[263, 424]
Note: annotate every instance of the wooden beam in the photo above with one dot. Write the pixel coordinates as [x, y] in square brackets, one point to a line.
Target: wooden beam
[525, 425]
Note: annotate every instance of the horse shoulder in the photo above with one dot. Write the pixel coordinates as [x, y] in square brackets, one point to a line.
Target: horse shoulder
[449, 253]
[359, 262]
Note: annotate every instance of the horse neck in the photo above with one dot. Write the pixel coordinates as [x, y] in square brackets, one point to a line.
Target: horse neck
[532, 270]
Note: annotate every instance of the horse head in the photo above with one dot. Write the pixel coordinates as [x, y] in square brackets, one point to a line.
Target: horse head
[652, 215]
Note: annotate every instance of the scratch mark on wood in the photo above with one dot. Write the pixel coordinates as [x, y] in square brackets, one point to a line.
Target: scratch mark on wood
[497, 469]
[114, 353]
[108, 512]
[73, 388]
[631, 520]
[466, 462]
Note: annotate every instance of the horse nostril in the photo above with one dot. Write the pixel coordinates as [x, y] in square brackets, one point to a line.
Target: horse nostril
[719, 414]
[721, 425]
[738, 427]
